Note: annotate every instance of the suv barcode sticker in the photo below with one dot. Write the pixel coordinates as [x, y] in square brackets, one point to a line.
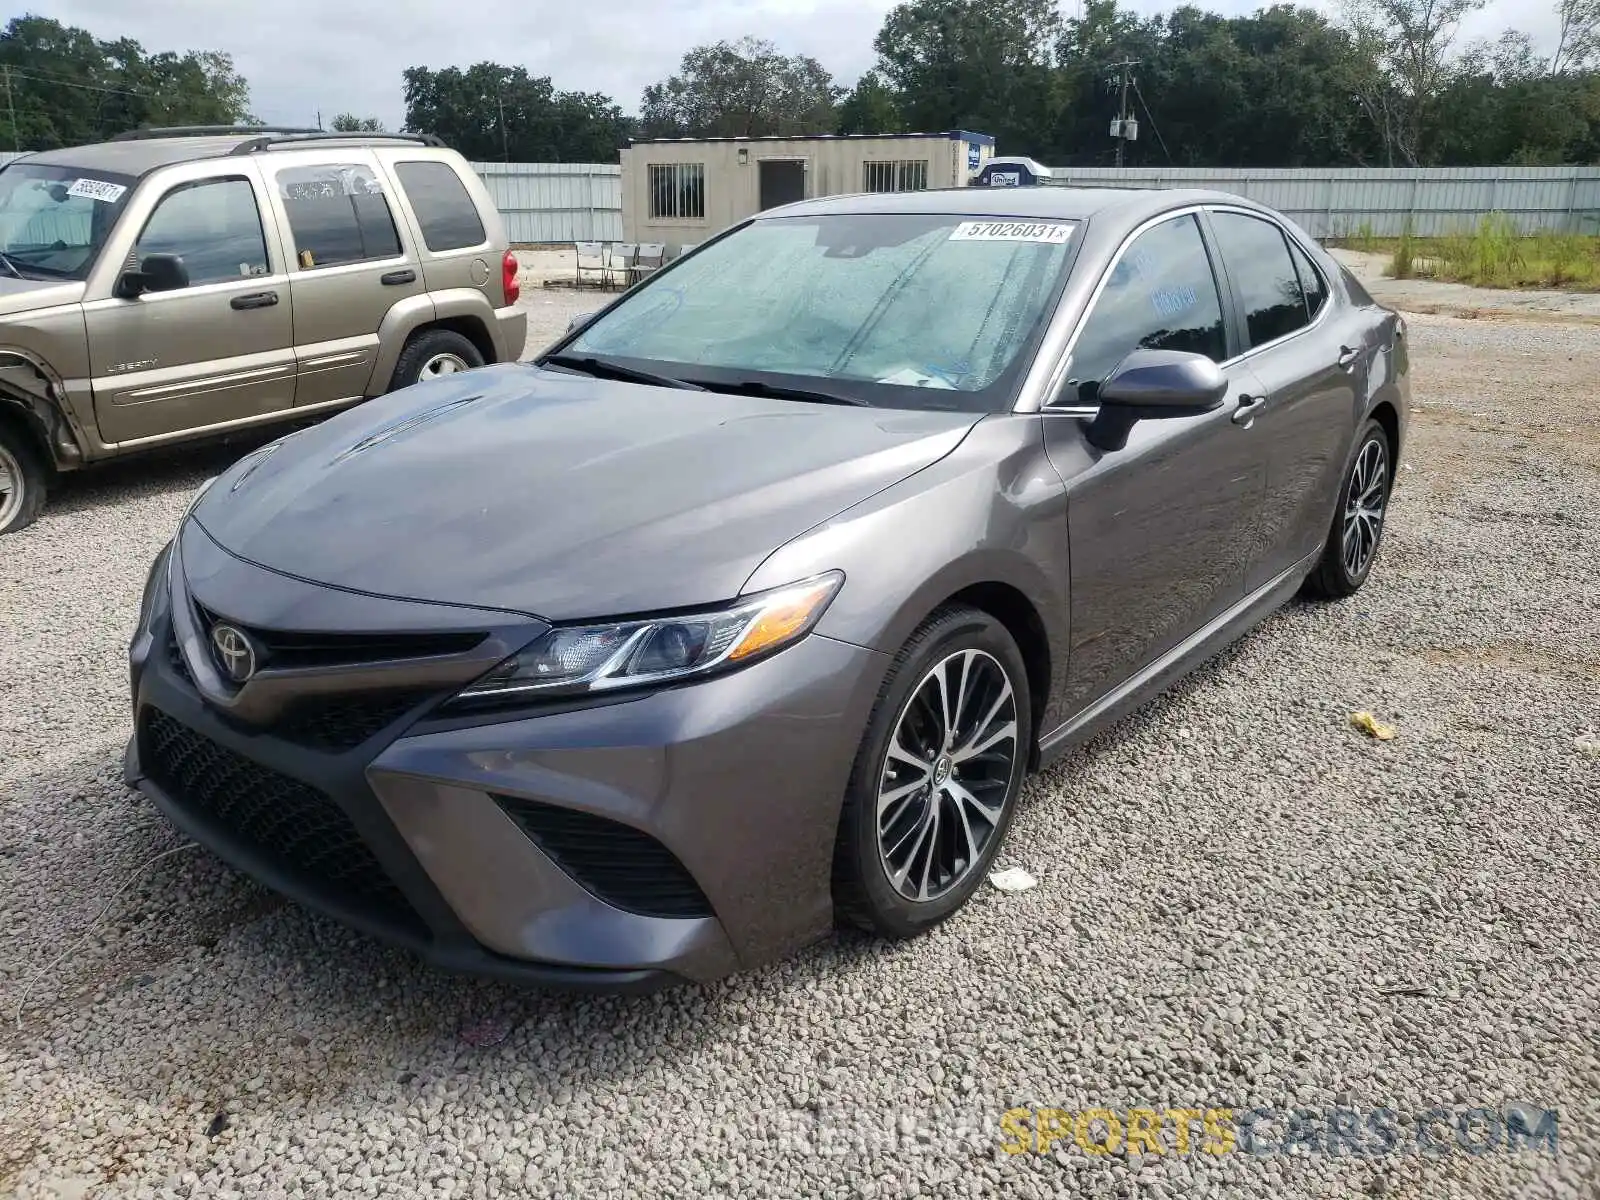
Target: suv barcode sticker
[1051, 233]
[97, 189]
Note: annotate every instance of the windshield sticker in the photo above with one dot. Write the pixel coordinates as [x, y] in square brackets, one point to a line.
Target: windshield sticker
[97, 189]
[1048, 233]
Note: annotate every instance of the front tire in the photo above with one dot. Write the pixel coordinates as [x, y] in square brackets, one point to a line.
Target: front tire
[1357, 530]
[936, 779]
[432, 354]
[23, 479]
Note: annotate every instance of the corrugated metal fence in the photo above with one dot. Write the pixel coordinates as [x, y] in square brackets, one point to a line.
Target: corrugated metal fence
[1435, 200]
[564, 202]
[557, 202]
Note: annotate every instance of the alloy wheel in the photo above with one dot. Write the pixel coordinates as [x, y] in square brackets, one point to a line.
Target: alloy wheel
[11, 487]
[1365, 502]
[442, 364]
[946, 775]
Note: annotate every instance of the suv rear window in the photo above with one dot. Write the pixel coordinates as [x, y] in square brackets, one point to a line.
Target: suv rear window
[337, 214]
[444, 209]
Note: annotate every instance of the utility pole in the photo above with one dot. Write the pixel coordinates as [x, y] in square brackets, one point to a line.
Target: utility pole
[505, 145]
[1124, 129]
[11, 107]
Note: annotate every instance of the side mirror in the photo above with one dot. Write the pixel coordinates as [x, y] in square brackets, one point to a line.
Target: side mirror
[579, 321]
[156, 273]
[1151, 385]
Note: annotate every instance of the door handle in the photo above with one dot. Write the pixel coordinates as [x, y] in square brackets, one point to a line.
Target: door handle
[255, 300]
[1347, 357]
[1246, 412]
[395, 278]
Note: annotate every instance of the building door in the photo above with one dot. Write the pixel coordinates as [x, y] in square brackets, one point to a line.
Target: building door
[783, 181]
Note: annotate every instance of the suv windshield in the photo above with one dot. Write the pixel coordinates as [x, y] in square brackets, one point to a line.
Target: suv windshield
[54, 220]
[934, 310]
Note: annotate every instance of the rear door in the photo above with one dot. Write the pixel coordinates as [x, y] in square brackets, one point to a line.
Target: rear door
[351, 261]
[216, 352]
[1294, 344]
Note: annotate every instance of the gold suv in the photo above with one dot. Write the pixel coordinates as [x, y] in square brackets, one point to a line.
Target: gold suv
[174, 284]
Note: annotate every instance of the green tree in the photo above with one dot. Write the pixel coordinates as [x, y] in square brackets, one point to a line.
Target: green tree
[66, 88]
[872, 106]
[350, 123]
[982, 65]
[492, 112]
[741, 89]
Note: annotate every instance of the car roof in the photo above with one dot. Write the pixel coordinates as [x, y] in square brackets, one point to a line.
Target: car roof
[1061, 203]
[140, 155]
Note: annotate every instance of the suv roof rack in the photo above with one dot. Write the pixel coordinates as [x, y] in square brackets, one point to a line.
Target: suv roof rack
[270, 135]
[295, 137]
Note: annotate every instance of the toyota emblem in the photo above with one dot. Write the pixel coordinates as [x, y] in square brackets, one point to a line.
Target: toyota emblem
[236, 655]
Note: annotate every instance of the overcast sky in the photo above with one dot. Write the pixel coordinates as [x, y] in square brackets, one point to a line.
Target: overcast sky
[305, 56]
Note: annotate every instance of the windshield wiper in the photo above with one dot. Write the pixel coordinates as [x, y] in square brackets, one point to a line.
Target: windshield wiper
[756, 387]
[602, 368]
[5, 261]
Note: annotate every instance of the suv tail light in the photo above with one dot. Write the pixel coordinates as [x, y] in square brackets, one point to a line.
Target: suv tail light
[508, 275]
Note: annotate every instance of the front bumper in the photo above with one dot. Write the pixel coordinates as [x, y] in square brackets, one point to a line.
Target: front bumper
[679, 835]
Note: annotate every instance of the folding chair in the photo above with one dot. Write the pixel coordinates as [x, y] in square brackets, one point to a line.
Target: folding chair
[651, 257]
[591, 261]
[619, 263]
[685, 249]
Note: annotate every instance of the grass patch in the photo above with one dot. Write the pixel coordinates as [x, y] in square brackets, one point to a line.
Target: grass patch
[1491, 254]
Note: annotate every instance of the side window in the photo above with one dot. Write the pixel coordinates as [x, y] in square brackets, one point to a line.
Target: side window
[1263, 273]
[337, 214]
[444, 209]
[213, 225]
[1311, 282]
[1162, 295]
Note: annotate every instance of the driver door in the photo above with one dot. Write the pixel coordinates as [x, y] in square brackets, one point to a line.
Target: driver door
[1161, 530]
[217, 352]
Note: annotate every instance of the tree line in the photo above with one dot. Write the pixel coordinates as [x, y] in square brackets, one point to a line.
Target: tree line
[1385, 83]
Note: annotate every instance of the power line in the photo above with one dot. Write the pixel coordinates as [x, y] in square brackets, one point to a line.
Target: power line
[59, 81]
[1156, 129]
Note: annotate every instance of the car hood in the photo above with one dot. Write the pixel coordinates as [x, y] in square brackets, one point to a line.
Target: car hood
[556, 495]
[29, 295]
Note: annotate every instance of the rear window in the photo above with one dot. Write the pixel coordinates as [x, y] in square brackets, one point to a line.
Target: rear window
[337, 214]
[444, 209]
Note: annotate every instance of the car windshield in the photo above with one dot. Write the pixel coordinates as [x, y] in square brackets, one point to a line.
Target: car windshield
[898, 310]
[54, 220]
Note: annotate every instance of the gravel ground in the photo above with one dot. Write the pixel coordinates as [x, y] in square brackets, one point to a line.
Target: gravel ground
[1242, 902]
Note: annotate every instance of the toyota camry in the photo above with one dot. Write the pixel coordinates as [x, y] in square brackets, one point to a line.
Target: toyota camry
[744, 610]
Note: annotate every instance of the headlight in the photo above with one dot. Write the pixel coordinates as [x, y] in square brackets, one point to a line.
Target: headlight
[578, 659]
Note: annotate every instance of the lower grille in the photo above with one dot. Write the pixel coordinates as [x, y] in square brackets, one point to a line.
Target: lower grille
[293, 825]
[624, 866]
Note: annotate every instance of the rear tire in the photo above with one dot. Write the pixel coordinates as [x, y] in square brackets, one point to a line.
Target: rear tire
[24, 479]
[937, 776]
[433, 353]
[1358, 521]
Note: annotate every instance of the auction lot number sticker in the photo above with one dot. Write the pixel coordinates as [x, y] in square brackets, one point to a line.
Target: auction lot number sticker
[1049, 233]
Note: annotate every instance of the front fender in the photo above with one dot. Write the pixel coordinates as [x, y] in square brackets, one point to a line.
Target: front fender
[993, 511]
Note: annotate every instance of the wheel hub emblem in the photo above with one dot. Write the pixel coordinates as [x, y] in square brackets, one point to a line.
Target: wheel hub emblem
[234, 652]
[941, 771]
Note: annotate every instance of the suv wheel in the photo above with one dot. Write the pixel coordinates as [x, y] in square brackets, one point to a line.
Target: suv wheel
[432, 354]
[22, 479]
[937, 776]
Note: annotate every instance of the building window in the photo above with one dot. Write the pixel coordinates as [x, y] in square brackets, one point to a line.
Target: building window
[678, 191]
[906, 175]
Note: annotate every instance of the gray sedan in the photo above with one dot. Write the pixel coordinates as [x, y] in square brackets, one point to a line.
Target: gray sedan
[746, 609]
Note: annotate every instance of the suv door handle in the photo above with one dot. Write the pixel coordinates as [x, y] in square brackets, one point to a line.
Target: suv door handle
[255, 300]
[394, 278]
[1246, 412]
[1347, 357]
